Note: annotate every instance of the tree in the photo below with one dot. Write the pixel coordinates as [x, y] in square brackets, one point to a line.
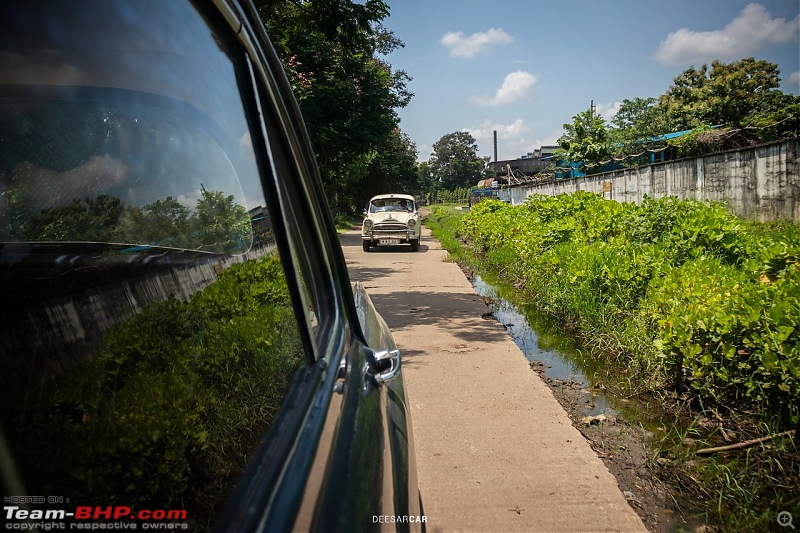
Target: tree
[426, 180]
[454, 162]
[586, 140]
[635, 120]
[776, 116]
[725, 95]
[393, 169]
[347, 93]
[636, 124]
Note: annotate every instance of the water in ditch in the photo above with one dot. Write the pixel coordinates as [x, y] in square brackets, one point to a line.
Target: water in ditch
[561, 359]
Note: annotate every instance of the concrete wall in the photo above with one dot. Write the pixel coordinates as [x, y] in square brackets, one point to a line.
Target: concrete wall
[758, 183]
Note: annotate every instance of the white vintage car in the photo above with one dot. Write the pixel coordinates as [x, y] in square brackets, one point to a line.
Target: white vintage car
[391, 219]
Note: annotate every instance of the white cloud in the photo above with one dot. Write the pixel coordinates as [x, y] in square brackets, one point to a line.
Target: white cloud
[748, 33]
[485, 131]
[607, 111]
[513, 139]
[461, 46]
[245, 140]
[190, 199]
[38, 66]
[422, 152]
[548, 141]
[515, 89]
[794, 82]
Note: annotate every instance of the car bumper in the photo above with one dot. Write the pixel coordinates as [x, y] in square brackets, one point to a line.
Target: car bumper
[394, 235]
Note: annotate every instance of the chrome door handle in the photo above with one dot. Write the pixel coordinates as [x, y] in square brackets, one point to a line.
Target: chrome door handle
[341, 374]
[388, 364]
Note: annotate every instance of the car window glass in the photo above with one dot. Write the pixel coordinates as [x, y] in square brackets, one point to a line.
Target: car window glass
[391, 204]
[147, 337]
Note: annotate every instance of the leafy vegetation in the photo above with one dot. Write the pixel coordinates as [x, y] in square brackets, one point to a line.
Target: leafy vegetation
[741, 98]
[333, 52]
[459, 195]
[454, 162]
[686, 301]
[168, 410]
[727, 93]
[586, 140]
[720, 300]
[445, 225]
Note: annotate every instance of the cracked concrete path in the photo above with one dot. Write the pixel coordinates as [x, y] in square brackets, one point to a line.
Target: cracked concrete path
[495, 450]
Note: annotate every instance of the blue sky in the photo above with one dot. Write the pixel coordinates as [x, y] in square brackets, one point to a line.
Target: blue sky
[525, 67]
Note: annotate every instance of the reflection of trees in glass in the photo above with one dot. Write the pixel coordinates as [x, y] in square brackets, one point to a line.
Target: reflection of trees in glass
[169, 408]
[164, 222]
[89, 220]
[219, 221]
[217, 224]
[64, 157]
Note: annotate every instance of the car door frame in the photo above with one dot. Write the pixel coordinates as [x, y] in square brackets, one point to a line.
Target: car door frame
[310, 444]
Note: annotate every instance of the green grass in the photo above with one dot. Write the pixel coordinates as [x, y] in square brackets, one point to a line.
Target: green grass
[444, 223]
[346, 222]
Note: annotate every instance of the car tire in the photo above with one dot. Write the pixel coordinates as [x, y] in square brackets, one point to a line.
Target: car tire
[415, 245]
[366, 245]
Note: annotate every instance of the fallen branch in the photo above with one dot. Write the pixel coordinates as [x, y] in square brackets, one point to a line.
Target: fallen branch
[744, 444]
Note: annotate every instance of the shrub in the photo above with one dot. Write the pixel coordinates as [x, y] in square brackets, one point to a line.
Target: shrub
[719, 297]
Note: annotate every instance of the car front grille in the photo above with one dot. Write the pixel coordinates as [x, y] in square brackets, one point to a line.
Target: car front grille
[391, 226]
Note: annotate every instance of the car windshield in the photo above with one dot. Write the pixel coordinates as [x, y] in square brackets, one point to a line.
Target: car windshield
[391, 204]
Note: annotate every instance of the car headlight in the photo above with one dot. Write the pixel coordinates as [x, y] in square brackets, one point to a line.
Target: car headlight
[412, 223]
[367, 223]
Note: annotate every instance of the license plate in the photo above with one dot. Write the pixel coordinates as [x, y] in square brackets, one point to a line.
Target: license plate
[389, 241]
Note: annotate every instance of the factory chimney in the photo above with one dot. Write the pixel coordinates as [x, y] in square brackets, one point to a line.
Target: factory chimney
[495, 146]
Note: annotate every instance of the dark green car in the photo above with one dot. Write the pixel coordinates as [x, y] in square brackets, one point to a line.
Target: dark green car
[180, 344]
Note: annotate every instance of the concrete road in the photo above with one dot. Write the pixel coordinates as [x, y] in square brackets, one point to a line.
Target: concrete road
[495, 450]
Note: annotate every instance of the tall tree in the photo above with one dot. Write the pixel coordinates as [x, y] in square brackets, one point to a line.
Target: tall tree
[88, 219]
[165, 222]
[393, 168]
[349, 95]
[725, 94]
[454, 162]
[427, 183]
[586, 140]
